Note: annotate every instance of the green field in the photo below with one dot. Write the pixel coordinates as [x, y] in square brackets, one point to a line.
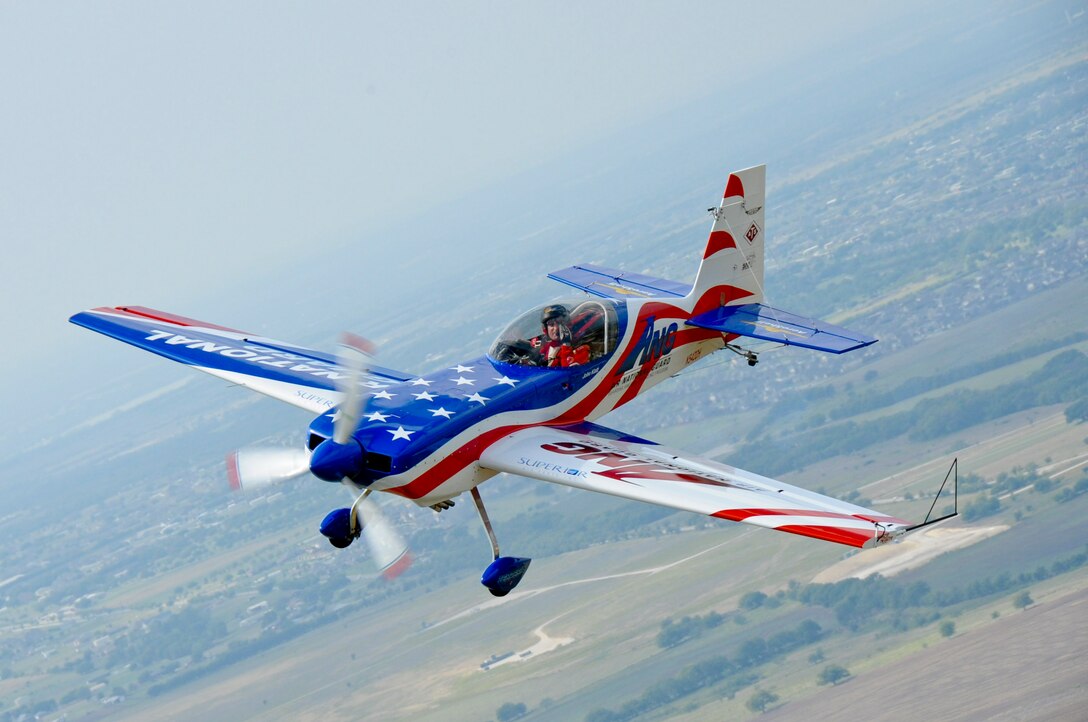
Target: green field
[611, 605]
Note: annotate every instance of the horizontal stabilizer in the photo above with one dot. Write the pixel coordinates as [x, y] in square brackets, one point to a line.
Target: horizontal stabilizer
[754, 320]
[610, 283]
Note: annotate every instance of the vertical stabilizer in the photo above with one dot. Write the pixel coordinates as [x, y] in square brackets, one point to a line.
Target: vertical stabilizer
[731, 270]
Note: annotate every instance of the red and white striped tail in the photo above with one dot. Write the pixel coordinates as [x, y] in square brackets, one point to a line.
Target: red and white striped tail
[731, 270]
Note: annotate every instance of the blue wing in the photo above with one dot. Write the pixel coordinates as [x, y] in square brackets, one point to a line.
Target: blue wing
[297, 375]
[755, 320]
[610, 283]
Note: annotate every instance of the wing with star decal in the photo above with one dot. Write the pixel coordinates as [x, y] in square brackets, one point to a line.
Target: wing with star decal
[297, 375]
[601, 460]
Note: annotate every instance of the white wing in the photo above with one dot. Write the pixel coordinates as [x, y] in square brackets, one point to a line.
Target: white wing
[645, 471]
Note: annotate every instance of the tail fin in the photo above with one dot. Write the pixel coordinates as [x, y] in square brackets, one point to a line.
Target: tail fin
[732, 267]
[728, 291]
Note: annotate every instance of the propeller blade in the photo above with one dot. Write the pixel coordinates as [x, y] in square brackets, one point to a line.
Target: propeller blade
[355, 356]
[257, 467]
[387, 546]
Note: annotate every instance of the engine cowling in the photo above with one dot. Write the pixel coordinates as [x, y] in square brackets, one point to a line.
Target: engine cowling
[332, 461]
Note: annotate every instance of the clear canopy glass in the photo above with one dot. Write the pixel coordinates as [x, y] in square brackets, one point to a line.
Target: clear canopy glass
[560, 334]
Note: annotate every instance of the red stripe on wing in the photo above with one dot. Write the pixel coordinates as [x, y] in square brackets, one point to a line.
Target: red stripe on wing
[849, 537]
[173, 318]
[742, 514]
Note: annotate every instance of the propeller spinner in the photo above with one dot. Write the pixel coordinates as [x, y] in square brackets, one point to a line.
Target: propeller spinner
[343, 456]
[337, 459]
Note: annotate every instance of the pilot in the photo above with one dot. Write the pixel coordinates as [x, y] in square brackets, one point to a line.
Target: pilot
[556, 345]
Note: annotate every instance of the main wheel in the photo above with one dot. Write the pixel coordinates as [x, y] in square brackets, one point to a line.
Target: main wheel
[341, 542]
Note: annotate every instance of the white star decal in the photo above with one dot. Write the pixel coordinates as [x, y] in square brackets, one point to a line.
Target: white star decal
[477, 398]
[335, 415]
[440, 412]
[462, 369]
[400, 433]
[384, 395]
[422, 382]
[506, 380]
[461, 381]
[378, 416]
[424, 396]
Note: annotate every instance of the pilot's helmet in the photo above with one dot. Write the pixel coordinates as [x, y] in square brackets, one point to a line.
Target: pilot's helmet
[556, 310]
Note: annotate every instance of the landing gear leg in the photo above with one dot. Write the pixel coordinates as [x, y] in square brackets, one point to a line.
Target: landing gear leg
[355, 527]
[504, 573]
[479, 502]
[749, 356]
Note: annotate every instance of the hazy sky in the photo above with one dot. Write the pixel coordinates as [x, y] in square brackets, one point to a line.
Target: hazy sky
[153, 152]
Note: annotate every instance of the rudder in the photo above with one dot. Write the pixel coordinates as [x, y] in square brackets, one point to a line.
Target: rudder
[731, 270]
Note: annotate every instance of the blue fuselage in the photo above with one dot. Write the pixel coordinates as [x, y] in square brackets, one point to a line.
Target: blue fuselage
[404, 424]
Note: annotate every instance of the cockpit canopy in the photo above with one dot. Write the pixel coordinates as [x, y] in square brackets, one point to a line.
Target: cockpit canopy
[560, 334]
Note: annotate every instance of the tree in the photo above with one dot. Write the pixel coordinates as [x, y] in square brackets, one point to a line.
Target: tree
[511, 711]
[1023, 600]
[753, 600]
[983, 506]
[948, 628]
[761, 700]
[1077, 411]
[752, 652]
[832, 674]
[602, 715]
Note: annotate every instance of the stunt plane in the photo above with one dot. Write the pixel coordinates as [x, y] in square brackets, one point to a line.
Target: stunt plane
[530, 405]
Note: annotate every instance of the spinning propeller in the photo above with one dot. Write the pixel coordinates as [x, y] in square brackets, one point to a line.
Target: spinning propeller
[336, 459]
[342, 456]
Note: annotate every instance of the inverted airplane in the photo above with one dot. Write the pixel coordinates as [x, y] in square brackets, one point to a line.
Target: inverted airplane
[529, 406]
